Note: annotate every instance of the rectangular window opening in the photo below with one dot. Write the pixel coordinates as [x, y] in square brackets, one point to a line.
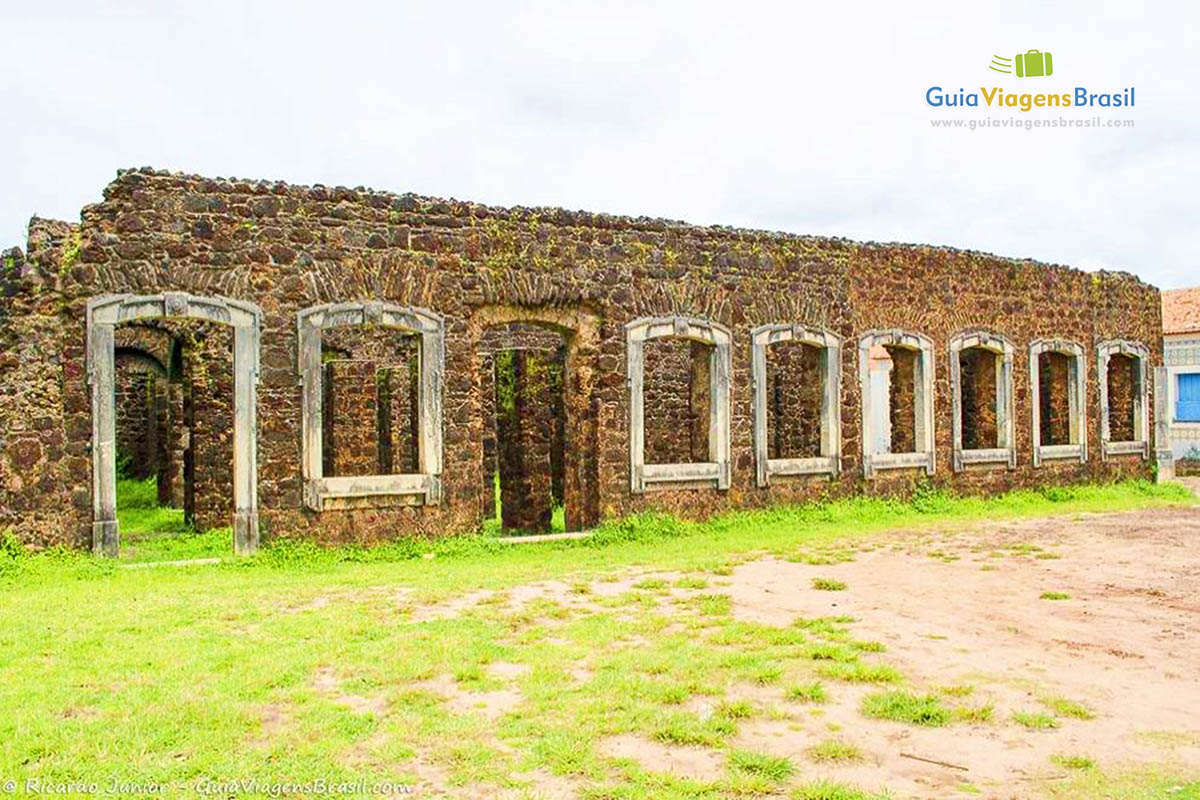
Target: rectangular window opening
[794, 400]
[370, 420]
[895, 374]
[678, 401]
[979, 369]
[1123, 390]
[1054, 397]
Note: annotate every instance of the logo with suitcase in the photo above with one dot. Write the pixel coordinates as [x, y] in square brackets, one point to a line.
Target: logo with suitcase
[1030, 64]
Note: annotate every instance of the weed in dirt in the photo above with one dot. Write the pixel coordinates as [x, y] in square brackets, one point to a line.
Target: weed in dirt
[926, 710]
[808, 693]
[773, 768]
[1036, 720]
[1073, 761]
[829, 790]
[1068, 708]
[828, 585]
[856, 672]
[835, 750]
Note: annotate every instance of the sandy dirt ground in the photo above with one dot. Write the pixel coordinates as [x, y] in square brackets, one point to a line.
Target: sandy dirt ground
[965, 608]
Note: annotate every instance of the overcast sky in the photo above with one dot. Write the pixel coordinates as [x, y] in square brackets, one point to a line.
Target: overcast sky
[802, 117]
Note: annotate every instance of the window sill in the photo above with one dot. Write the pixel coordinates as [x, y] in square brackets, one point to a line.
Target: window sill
[821, 465]
[704, 472]
[1054, 452]
[990, 456]
[367, 491]
[923, 460]
[1126, 449]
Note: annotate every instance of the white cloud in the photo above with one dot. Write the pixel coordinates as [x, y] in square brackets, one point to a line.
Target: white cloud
[767, 115]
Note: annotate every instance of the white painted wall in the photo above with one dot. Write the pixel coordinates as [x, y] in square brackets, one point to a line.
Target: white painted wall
[1181, 355]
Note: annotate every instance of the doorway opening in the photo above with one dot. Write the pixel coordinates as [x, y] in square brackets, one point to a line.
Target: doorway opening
[218, 408]
[173, 395]
[523, 378]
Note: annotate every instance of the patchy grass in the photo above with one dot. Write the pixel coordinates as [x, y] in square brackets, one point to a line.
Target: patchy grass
[691, 583]
[1143, 783]
[651, 584]
[1068, 708]
[762, 765]
[1036, 720]
[682, 728]
[309, 661]
[926, 710]
[828, 790]
[857, 672]
[738, 709]
[828, 585]
[1054, 596]
[808, 693]
[973, 713]
[835, 750]
[1073, 762]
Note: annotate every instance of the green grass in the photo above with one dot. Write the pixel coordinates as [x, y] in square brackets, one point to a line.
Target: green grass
[828, 790]
[150, 532]
[856, 672]
[828, 585]
[1073, 762]
[306, 661]
[926, 710]
[1140, 783]
[808, 693]
[1036, 720]
[1068, 708]
[773, 768]
[1054, 596]
[835, 750]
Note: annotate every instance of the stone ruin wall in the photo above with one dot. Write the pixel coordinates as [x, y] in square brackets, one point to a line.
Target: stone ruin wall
[286, 248]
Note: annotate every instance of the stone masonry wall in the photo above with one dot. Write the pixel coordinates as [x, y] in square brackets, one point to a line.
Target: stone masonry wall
[141, 419]
[208, 415]
[1055, 376]
[289, 247]
[524, 425]
[1122, 380]
[676, 401]
[902, 396]
[793, 401]
[978, 372]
